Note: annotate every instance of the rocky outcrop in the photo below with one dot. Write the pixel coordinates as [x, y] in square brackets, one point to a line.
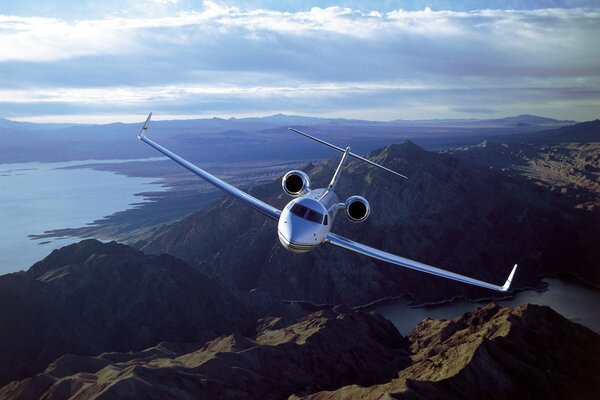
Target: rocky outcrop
[322, 351]
[93, 297]
[529, 352]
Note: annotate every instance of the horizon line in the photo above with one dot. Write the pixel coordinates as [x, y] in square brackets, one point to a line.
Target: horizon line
[106, 119]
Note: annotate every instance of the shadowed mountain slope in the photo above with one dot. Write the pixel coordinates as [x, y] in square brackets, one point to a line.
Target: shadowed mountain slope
[93, 297]
[324, 350]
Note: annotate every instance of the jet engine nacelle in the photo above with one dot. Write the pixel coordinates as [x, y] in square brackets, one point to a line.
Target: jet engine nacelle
[357, 208]
[295, 183]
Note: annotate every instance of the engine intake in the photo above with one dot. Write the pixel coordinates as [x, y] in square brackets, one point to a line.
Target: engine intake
[357, 208]
[295, 183]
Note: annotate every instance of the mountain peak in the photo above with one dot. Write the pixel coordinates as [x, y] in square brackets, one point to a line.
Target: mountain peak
[405, 149]
[77, 254]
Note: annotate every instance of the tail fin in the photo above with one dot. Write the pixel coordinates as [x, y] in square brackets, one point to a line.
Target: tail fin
[349, 153]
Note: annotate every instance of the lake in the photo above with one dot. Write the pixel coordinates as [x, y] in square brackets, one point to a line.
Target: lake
[36, 197]
[574, 301]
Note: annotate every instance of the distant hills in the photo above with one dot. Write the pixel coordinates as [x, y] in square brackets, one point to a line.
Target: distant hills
[246, 138]
[303, 120]
[7, 123]
[529, 120]
[585, 132]
[518, 120]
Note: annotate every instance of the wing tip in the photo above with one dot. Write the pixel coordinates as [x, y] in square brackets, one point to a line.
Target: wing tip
[142, 133]
[506, 285]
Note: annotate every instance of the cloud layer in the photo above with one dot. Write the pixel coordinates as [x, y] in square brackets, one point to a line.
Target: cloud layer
[222, 60]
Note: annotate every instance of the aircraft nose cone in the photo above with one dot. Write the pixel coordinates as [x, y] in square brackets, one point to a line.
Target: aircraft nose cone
[302, 233]
[296, 234]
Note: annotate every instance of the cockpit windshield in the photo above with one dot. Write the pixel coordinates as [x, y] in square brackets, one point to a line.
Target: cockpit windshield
[307, 213]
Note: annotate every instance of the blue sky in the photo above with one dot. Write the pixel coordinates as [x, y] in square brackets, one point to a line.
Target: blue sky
[91, 61]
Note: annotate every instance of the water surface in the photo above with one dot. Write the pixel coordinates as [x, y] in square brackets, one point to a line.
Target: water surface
[574, 301]
[36, 197]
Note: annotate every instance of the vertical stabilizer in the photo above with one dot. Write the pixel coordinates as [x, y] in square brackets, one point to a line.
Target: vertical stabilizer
[338, 171]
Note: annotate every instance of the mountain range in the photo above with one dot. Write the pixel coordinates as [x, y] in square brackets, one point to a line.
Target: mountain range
[303, 120]
[211, 307]
[245, 139]
[529, 352]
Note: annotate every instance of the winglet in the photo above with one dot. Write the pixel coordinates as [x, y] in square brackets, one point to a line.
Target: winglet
[142, 133]
[506, 285]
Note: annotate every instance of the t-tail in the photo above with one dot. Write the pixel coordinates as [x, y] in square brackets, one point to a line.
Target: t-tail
[348, 152]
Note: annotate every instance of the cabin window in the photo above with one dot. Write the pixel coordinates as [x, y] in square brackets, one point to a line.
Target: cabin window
[306, 213]
[314, 216]
[299, 210]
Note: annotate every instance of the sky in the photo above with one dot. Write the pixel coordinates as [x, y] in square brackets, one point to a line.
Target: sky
[106, 61]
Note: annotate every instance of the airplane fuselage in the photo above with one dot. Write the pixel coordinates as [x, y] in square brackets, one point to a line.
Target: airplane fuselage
[305, 221]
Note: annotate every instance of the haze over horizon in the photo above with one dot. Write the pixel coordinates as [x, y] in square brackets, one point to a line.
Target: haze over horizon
[284, 118]
[116, 61]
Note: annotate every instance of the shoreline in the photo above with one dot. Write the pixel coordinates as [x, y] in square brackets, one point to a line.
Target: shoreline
[544, 286]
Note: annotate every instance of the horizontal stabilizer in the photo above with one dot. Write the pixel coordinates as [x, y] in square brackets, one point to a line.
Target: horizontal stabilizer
[344, 150]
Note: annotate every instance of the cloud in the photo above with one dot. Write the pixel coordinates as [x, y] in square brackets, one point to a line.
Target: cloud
[318, 61]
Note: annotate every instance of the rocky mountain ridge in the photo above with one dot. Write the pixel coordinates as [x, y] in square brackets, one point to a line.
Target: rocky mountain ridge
[93, 297]
[525, 352]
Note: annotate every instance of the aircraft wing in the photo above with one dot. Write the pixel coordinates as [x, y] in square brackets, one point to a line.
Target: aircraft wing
[351, 245]
[244, 197]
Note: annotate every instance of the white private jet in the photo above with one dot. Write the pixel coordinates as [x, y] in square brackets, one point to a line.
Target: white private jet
[306, 221]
